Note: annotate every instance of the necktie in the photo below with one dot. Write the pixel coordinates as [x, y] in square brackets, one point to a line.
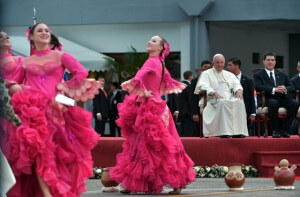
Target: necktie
[104, 92]
[272, 79]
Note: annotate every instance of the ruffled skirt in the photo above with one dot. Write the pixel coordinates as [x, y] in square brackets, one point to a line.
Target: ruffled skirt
[153, 155]
[53, 142]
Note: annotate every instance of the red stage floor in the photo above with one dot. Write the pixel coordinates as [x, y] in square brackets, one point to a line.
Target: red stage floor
[210, 151]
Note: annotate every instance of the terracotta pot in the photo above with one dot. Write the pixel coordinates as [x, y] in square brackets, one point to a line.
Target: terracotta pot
[284, 177]
[235, 178]
[105, 179]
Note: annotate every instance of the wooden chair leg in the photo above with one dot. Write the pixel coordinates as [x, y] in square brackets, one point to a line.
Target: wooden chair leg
[266, 127]
[258, 122]
[299, 126]
[201, 126]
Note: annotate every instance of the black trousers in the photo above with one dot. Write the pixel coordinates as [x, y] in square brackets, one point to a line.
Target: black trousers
[100, 125]
[113, 127]
[273, 105]
[188, 126]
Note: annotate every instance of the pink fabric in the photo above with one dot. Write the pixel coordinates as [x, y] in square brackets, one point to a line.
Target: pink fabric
[82, 92]
[153, 155]
[148, 78]
[11, 68]
[53, 141]
[39, 66]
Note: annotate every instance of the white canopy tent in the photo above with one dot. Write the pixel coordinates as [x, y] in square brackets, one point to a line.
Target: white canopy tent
[90, 59]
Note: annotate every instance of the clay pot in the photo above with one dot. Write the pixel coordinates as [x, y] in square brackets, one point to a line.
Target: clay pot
[235, 179]
[105, 179]
[284, 177]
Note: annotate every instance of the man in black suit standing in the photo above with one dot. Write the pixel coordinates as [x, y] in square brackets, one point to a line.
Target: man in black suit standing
[185, 107]
[100, 108]
[114, 100]
[206, 64]
[296, 79]
[276, 85]
[296, 82]
[234, 66]
[172, 102]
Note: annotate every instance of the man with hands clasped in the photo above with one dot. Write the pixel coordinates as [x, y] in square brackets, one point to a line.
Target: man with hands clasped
[225, 113]
[276, 85]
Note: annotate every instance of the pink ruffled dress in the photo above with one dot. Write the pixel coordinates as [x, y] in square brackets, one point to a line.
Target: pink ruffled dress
[153, 155]
[54, 141]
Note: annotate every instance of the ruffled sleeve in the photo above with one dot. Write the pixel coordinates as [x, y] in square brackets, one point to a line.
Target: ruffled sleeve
[135, 85]
[15, 76]
[79, 87]
[170, 85]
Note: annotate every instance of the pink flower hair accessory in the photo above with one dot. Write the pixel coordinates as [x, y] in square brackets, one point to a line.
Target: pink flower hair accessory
[165, 52]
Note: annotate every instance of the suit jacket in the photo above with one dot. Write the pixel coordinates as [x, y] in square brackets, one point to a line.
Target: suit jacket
[262, 82]
[172, 102]
[100, 104]
[195, 97]
[185, 101]
[123, 95]
[248, 94]
[113, 102]
[296, 81]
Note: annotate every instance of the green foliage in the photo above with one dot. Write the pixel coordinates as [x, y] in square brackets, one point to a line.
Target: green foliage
[217, 171]
[131, 62]
[214, 171]
[97, 173]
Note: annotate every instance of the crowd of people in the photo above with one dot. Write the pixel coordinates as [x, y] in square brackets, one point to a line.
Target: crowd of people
[46, 139]
[231, 106]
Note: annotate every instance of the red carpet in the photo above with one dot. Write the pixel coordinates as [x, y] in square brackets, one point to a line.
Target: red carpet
[210, 151]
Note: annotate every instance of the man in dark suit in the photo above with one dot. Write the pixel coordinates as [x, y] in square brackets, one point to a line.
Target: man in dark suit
[234, 66]
[185, 107]
[296, 79]
[114, 100]
[206, 64]
[276, 85]
[100, 108]
[173, 105]
[172, 102]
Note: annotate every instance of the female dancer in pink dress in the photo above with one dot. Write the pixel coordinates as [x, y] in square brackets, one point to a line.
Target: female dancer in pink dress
[153, 155]
[50, 151]
[11, 69]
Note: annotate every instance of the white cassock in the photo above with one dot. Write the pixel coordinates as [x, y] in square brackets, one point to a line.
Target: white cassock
[7, 178]
[226, 116]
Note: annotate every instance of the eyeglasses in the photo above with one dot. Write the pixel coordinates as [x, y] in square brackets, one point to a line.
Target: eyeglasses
[4, 37]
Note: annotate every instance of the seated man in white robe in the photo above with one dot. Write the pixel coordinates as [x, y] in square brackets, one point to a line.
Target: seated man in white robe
[225, 113]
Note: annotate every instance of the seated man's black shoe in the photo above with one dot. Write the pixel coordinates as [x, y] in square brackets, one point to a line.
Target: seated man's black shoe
[276, 134]
[285, 134]
[238, 136]
[224, 136]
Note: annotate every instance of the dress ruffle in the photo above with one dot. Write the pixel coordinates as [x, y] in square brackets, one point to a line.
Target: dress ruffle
[53, 142]
[80, 89]
[171, 86]
[135, 86]
[153, 155]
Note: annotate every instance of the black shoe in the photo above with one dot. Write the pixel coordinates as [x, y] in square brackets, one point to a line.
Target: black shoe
[238, 136]
[276, 134]
[285, 134]
[224, 136]
[125, 191]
